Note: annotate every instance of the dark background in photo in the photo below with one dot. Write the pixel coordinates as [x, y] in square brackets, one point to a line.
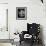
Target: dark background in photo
[21, 13]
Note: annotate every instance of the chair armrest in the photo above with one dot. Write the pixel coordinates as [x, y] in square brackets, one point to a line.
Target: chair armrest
[24, 32]
[22, 35]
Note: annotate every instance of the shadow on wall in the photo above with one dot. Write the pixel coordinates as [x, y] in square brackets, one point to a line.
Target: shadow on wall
[41, 34]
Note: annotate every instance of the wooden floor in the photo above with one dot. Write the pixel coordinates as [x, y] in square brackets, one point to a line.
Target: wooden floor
[6, 40]
[27, 44]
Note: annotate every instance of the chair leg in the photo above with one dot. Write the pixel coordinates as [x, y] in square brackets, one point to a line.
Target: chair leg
[32, 42]
[20, 42]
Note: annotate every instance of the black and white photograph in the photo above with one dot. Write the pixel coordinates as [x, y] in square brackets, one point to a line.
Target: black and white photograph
[22, 22]
[21, 13]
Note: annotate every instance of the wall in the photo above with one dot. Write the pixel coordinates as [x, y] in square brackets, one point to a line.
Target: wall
[4, 34]
[3, 21]
[3, 1]
[35, 14]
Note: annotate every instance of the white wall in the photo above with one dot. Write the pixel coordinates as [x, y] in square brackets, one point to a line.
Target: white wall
[35, 14]
[3, 1]
[3, 21]
[3, 34]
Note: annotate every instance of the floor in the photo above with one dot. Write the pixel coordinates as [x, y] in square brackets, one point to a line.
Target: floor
[26, 44]
[23, 44]
[5, 44]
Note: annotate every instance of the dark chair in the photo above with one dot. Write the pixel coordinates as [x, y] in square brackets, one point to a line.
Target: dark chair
[32, 29]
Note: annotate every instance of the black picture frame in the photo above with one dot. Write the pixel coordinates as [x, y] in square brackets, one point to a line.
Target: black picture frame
[21, 13]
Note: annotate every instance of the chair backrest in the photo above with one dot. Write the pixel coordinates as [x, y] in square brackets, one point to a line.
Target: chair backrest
[33, 28]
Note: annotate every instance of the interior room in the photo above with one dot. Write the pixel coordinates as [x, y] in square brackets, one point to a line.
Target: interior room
[22, 22]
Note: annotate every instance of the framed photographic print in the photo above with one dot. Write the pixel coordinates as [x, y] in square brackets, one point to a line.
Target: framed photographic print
[21, 13]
